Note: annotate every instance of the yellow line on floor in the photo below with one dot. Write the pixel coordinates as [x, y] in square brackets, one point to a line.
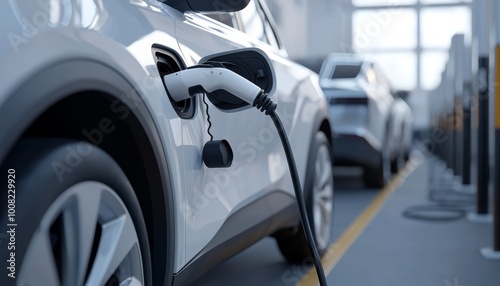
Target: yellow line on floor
[351, 234]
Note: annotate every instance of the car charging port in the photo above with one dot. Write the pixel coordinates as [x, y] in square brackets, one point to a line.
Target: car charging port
[167, 63]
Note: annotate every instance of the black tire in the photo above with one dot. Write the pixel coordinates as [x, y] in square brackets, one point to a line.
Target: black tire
[295, 248]
[39, 186]
[406, 156]
[398, 163]
[379, 176]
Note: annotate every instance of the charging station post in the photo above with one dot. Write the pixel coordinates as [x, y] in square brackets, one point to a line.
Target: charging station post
[496, 185]
[496, 193]
[481, 34]
[467, 114]
[483, 177]
[494, 251]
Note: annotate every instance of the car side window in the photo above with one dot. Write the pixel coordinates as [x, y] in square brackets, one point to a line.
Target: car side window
[346, 71]
[252, 23]
[253, 20]
[269, 30]
[255, 23]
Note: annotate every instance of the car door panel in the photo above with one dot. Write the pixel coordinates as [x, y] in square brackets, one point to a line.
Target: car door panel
[259, 162]
[212, 195]
[120, 35]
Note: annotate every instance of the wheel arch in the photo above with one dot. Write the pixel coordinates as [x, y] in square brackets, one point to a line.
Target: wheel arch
[321, 124]
[69, 97]
[326, 128]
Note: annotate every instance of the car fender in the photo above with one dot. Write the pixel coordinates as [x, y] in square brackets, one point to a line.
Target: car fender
[38, 94]
[105, 41]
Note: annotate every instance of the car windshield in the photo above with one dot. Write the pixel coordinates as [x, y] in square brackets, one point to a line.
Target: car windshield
[346, 71]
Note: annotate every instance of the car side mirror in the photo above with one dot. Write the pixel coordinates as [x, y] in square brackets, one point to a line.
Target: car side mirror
[250, 63]
[207, 6]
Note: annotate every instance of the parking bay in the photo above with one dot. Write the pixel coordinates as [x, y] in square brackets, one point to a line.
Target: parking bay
[388, 250]
[262, 263]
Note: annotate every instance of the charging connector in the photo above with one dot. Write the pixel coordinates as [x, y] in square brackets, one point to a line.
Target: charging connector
[185, 84]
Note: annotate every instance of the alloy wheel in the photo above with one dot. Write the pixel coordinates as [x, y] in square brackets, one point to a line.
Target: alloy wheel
[323, 197]
[86, 237]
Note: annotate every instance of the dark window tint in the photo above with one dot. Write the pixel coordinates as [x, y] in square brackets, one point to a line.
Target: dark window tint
[346, 71]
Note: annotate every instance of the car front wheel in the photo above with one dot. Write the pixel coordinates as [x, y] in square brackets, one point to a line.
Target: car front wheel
[377, 177]
[78, 218]
[319, 192]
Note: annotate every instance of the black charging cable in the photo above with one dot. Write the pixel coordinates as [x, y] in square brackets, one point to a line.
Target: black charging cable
[266, 104]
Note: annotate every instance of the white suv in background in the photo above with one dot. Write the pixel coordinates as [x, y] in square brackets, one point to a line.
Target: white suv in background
[372, 125]
[106, 172]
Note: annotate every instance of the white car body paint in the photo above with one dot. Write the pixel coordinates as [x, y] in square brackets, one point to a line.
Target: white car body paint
[120, 35]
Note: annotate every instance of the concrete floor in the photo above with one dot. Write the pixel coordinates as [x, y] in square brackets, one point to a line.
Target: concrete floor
[262, 264]
[394, 250]
[391, 251]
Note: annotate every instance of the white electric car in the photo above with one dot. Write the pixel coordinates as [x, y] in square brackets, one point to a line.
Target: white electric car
[104, 173]
[372, 125]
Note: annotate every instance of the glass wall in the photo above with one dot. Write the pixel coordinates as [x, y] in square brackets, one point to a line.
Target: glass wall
[409, 39]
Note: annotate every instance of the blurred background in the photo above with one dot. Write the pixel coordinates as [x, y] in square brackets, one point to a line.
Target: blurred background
[408, 39]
